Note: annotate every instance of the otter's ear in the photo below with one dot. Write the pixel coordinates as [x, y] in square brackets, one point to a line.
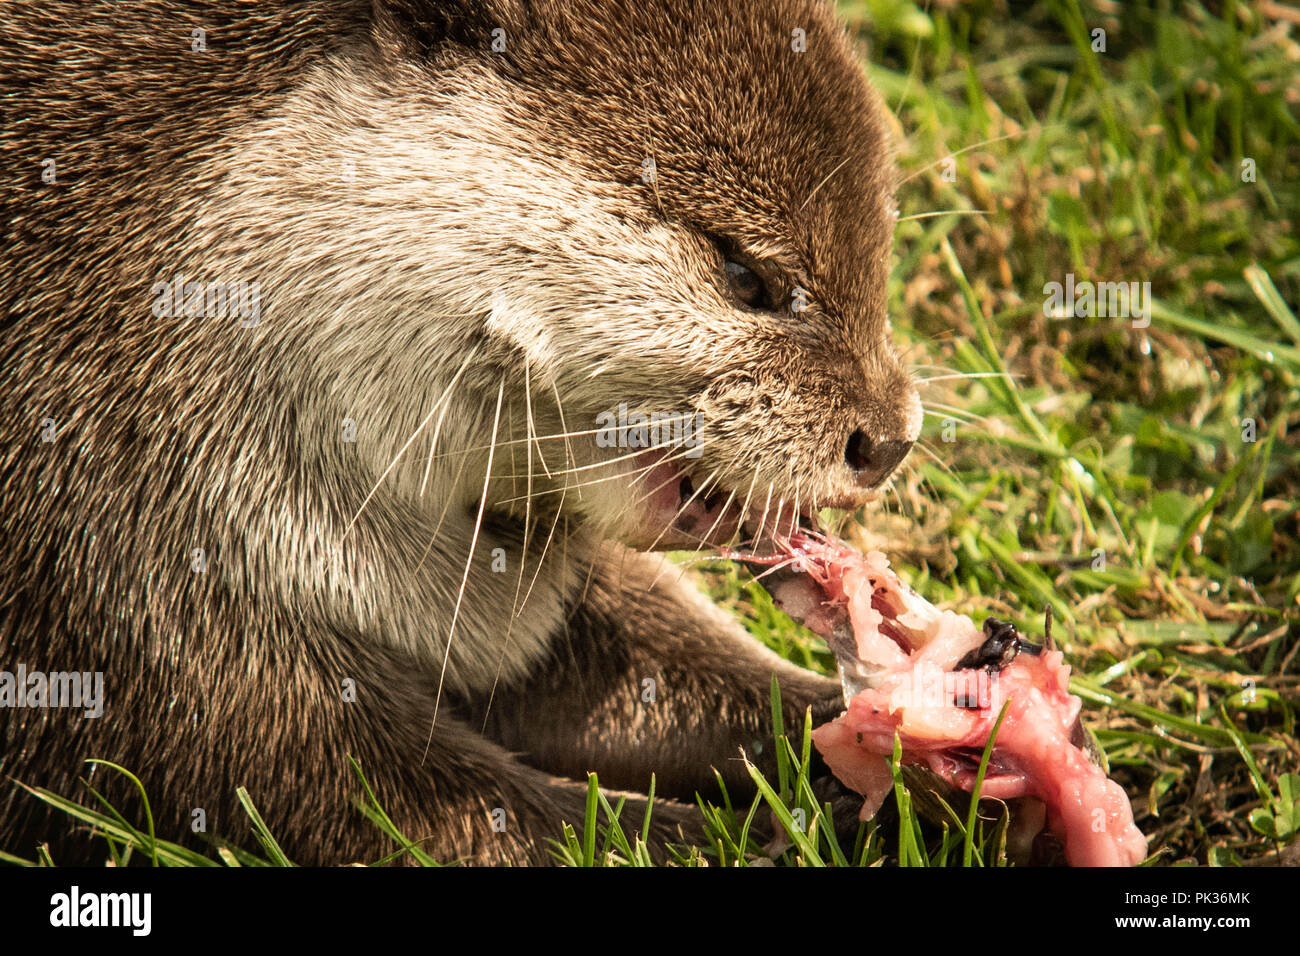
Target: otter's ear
[423, 26]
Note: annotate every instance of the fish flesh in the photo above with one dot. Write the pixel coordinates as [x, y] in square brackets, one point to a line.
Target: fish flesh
[939, 683]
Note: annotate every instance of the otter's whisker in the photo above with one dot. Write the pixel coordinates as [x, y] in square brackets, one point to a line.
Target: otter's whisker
[668, 442]
[528, 518]
[542, 557]
[442, 515]
[744, 509]
[532, 432]
[592, 466]
[758, 535]
[945, 212]
[518, 606]
[637, 471]
[437, 428]
[838, 166]
[565, 434]
[941, 378]
[937, 460]
[442, 402]
[943, 410]
[708, 535]
[469, 562]
[559, 407]
[886, 490]
[965, 149]
[554, 436]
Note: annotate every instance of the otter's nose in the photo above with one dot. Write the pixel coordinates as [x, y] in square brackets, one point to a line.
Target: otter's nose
[872, 461]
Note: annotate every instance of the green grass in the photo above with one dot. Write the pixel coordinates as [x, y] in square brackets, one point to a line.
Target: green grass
[1102, 469]
[1079, 463]
[809, 836]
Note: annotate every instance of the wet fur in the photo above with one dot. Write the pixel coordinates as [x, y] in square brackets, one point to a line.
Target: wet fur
[419, 211]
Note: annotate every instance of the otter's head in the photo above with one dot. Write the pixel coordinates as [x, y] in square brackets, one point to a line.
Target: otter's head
[711, 249]
[674, 208]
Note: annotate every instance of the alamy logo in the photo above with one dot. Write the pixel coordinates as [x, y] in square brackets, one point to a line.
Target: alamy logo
[75, 908]
[626, 429]
[83, 689]
[1086, 300]
[209, 300]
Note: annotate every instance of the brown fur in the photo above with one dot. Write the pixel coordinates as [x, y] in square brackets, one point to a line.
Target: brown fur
[510, 178]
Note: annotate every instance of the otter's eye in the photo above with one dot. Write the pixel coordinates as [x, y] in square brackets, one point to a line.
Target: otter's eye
[747, 285]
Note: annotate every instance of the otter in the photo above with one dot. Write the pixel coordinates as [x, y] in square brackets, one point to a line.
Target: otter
[316, 314]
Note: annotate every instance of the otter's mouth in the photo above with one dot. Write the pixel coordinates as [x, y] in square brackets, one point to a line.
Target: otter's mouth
[679, 510]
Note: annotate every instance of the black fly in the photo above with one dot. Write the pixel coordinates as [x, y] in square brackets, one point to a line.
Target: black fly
[1002, 642]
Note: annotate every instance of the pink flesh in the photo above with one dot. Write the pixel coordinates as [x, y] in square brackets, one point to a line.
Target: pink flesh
[913, 647]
